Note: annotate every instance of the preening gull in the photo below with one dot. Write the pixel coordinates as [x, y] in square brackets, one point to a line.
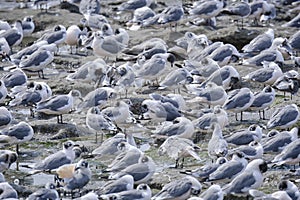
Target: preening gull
[239, 100]
[62, 157]
[57, 36]
[179, 148]
[284, 117]
[250, 178]
[242, 137]
[179, 189]
[224, 54]
[290, 188]
[7, 191]
[134, 4]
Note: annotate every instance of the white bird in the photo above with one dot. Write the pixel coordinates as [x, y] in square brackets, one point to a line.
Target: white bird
[62, 157]
[73, 34]
[142, 192]
[253, 150]
[250, 178]
[119, 113]
[289, 155]
[243, 137]
[179, 148]
[81, 176]
[13, 36]
[49, 192]
[284, 117]
[180, 189]
[239, 100]
[217, 145]
[181, 126]
[141, 172]
[58, 105]
[97, 121]
[28, 26]
[57, 36]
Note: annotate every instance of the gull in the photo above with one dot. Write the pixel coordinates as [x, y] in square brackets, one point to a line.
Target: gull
[57, 36]
[257, 9]
[290, 188]
[106, 46]
[4, 48]
[4, 25]
[218, 115]
[13, 36]
[37, 61]
[7, 158]
[214, 192]
[267, 75]
[260, 42]
[81, 176]
[49, 192]
[97, 121]
[119, 113]
[134, 4]
[226, 76]
[180, 126]
[28, 26]
[89, 196]
[217, 145]
[289, 155]
[141, 14]
[89, 6]
[241, 9]
[294, 41]
[251, 151]
[179, 148]
[250, 178]
[16, 77]
[124, 183]
[95, 71]
[94, 21]
[98, 97]
[224, 54]
[129, 155]
[230, 169]
[204, 171]
[62, 157]
[110, 146]
[158, 111]
[141, 172]
[239, 100]
[175, 78]
[58, 104]
[207, 10]
[244, 137]
[175, 99]
[280, 140]
[73, 34]
[293, 22]
[122, 36]
[179, 189]
[263, 100]
[5, 116]
[195, 44]
[143, 191]
[207, 51]
[3, 91]
[8, 192]
[286, 83]
[171, 14]
[153, 68]
[16, 134]
[258, 195]
[211, 94]
[284, 117]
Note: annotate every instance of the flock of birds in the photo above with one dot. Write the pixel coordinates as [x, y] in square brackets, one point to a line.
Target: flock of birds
[194, 87]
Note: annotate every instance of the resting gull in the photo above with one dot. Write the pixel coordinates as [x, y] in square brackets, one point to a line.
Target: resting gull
[49, 192]
[110, 146]
[3, 91]
[13, 36]
[16, 77]
[284, 117]
[289, 155]
[28, 26]
[124, 183]
[5, 116]
[7, 158]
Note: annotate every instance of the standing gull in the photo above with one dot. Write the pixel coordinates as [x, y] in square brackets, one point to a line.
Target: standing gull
[179, 189]
[239, 100]
[284, 117]
[217, 145]
[98, 121]
[58, 105]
